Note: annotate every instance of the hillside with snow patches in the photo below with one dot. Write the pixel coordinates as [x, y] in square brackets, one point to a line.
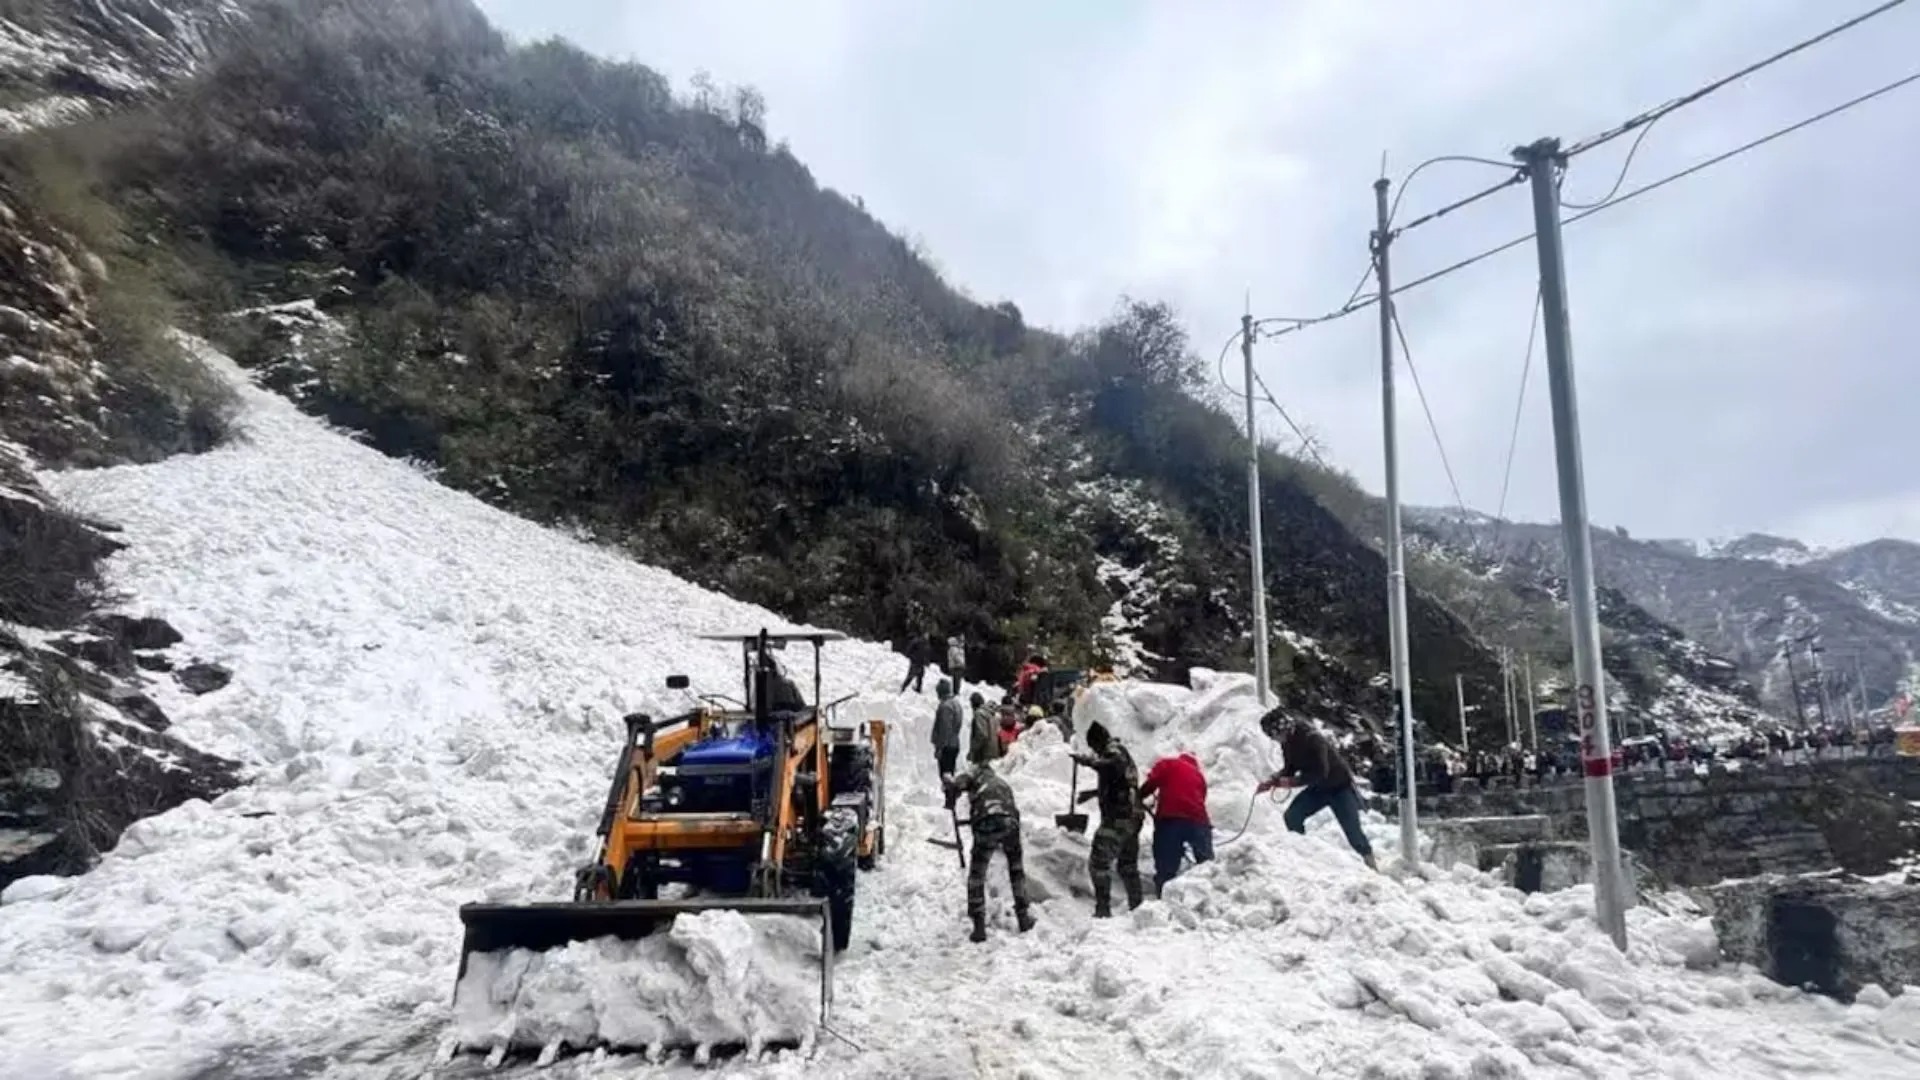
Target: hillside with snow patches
[1749, 600]
[426, 694]
[62, 60]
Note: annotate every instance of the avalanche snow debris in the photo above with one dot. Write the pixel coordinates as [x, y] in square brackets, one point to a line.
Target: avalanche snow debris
[311, 916]
[718, 978]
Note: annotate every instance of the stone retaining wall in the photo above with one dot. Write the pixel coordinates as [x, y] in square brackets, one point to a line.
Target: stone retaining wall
[1856, 814]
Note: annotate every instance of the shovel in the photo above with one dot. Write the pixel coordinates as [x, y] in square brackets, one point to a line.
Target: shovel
[1073, 821]
[955, 842]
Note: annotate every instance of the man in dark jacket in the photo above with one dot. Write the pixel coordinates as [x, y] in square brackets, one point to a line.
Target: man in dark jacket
[1325, 783]
[996, 827]
[948, 720]
[1118, 837]
[916, 664]
[1180, 821]
[983, 734]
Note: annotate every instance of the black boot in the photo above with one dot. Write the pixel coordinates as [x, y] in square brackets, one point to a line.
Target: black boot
[1025, 919]
[1102, 907]
[979, 929]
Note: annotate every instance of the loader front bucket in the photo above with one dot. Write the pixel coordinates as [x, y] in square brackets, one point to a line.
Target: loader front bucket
[540, 927]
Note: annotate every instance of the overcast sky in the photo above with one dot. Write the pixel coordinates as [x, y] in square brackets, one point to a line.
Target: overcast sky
[1741, 337]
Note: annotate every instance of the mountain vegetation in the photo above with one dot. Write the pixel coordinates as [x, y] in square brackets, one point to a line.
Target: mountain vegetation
[581, 294]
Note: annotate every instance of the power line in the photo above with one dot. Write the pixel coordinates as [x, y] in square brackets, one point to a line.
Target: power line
[1365, 302]
[1744, 147]
[1618, 180]
[1305, 441]
[1513, 440]
[1658, 111]
[1518, 176]
[1401, 190]
[1393, 313]
[1220, 368]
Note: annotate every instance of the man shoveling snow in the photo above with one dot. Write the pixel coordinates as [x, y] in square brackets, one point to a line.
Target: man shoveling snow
[995, 819]
[1118, 837]
[1322, 777]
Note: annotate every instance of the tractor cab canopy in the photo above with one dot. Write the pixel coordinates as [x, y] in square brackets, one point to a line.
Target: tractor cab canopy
[767, 688]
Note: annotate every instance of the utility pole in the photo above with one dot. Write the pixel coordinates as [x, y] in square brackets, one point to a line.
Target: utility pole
[1396, 556]
[1460, 695]
[1506, 678]
[1543, 161]
[1814, 649]
[1793, 682]
[1255, 534]
[1860, 684]
[1533, 725]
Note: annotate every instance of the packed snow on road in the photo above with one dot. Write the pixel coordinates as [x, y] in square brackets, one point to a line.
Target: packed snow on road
[428, 694]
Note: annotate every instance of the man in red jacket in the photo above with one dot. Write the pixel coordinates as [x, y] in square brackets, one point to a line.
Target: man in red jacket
[1180, 822]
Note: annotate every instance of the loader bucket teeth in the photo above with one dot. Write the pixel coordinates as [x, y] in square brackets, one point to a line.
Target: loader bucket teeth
[765, 808]
[496, 928]
[539, 927]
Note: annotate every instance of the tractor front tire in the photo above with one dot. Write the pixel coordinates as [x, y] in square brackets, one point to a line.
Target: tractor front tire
[836, 876]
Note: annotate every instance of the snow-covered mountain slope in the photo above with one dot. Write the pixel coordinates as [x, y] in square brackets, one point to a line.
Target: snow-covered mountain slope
[1749, 601]
[61, 59]
[1761, 547]
[1660, 680]
[428, 691]
[1884, 574]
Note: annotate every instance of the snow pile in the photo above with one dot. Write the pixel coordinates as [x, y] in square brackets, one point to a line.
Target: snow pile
[429, 690]
[428, 694]
[718, 978]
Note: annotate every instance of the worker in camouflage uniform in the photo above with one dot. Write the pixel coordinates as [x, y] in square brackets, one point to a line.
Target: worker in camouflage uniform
[1118, 837]
[996, 827]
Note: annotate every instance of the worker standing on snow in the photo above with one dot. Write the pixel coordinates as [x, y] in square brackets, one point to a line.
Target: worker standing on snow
[1023, 681]
[995, 820]
[983, 741]
[1118, 837]
[1322, 777]
[948, 719]
[916, 648]
[1180, 822]
[957, 661]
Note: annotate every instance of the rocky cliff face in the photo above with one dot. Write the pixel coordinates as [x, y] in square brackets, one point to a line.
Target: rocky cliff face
[84, 751]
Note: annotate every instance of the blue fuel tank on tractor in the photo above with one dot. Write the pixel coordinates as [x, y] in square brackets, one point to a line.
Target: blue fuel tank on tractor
[742, 748]
[722, 774]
